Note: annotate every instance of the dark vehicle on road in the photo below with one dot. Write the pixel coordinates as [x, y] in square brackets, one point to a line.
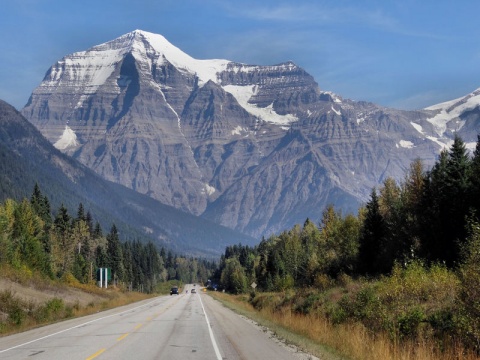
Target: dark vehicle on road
[193, 291]
[174, 291]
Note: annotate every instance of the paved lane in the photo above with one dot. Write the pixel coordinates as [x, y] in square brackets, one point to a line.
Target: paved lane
[185, 326]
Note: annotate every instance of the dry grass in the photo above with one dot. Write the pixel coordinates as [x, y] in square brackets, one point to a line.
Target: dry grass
[28, 300]
[350, 341]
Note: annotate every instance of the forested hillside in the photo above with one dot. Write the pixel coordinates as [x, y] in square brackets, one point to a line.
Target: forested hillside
[27, 158]
[408, 264]
[65, 246]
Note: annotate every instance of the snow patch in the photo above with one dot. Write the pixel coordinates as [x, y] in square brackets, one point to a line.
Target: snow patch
[338, 112]
[406, 144]
[417, 127]
[451, 110]
[68, 139]
[268, 114]
[334, 96]
[238, 130]
[205, 69]
[210, 190]
[431, 138]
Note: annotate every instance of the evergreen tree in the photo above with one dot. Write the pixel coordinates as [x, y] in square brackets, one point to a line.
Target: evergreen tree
[62, 220]
[457, 200]
[62, 242]
[81, 213]
[101, 258]
[41, 205]
[431, 235]
[395, 246]
[446, 204]
[412, 193]
[97, 232]
[89, 221]
[128, 264]
[372, 239]
[475, 178]
[114, 254]
[26, 245]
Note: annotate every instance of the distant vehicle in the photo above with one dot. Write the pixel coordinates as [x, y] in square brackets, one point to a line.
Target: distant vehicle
[194, 291]
[174, 291]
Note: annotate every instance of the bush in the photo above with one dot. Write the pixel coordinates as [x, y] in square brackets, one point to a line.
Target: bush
[469, 274]
[307, 304]
[409, 323]
[336, 314]
[13, 307]
[416, 283]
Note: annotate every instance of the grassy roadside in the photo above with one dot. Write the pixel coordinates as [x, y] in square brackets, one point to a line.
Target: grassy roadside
[320, 337]
[28, 300]
[289, 335]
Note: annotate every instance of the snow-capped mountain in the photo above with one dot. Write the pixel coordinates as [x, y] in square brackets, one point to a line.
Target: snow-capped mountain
[256, 148]
[459, 116]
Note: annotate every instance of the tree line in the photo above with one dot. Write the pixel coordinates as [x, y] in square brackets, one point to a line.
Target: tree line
[432, 216]
[63, 245]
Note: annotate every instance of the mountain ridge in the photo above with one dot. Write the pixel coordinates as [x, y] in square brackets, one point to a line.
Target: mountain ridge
[201, 135]
[29, 158]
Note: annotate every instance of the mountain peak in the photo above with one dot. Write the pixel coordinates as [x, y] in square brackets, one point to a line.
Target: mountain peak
[143, 42]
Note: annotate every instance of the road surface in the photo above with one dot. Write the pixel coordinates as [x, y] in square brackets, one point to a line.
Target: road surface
[185, 326]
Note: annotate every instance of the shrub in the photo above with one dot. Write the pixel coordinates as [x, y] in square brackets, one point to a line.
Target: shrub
[13, 307]
[308, 303]
[409, 323]
[469, 274]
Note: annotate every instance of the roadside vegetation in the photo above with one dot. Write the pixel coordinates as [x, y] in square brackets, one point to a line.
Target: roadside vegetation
[58, 252]
[399, 280]
[22, 307]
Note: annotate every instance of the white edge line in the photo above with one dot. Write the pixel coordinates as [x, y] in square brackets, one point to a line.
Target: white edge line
[214, 343]
[74, 327]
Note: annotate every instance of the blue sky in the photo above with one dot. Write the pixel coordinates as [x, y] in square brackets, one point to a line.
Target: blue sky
[405, 54]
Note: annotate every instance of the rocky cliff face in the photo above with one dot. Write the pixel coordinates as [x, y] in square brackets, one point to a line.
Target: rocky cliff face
[255, 148]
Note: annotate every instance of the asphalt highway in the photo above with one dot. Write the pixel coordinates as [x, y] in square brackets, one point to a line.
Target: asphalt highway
[184, 326]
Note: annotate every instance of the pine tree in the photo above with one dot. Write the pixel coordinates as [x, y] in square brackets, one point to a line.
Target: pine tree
[97, 232]
[41, 205]
[62, 241]
[114, 254]
[431, 235]
[80, 213]
[457, 200]
[446, 203]
[89, 221]
[475, 178]
[412, 193]
[101, 258]
[128, 262]
[372, 239]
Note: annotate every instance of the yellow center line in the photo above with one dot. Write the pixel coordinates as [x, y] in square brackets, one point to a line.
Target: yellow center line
[96, 354]
[122, 337]
[138, 326]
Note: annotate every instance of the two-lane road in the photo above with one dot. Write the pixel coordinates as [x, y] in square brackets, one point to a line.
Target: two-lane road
[185, 326]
